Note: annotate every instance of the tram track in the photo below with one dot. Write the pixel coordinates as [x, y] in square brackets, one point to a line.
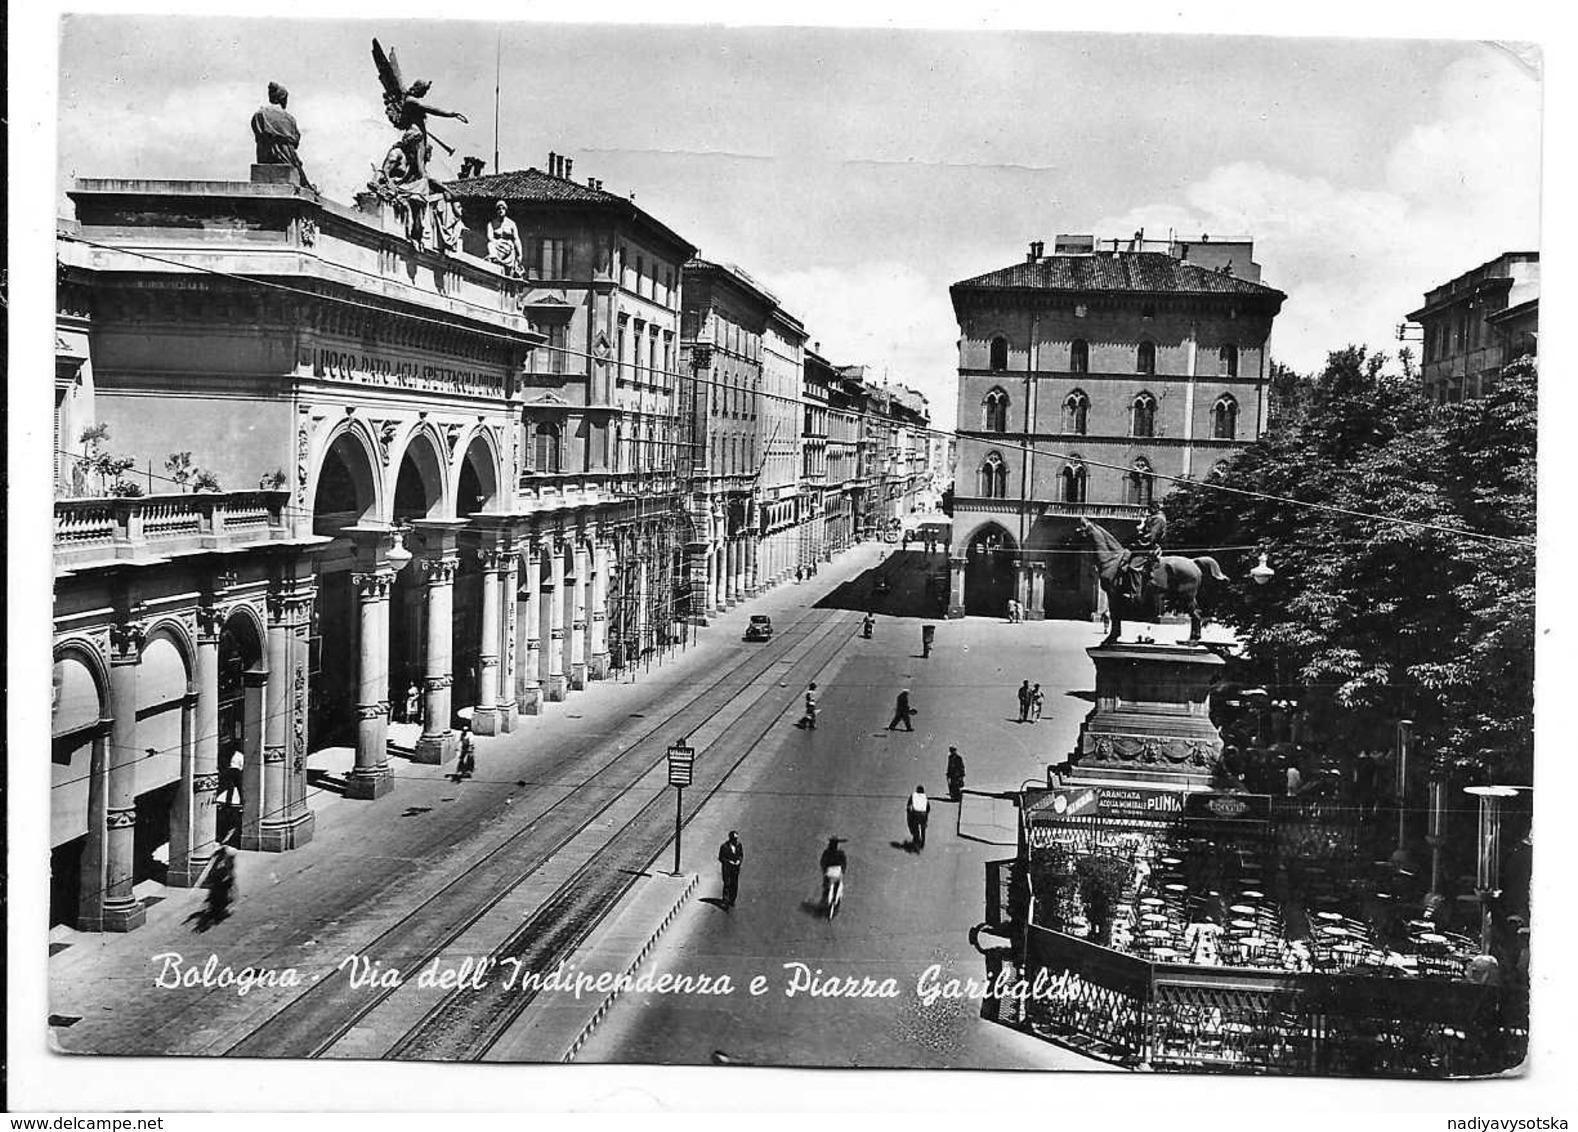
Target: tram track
[471, 1020]
[314, 1021]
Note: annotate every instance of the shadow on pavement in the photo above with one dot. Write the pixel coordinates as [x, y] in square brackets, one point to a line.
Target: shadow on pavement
[907, 583]
[814, 909]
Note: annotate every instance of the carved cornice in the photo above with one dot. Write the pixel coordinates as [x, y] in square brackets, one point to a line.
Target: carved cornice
[438, 571]
[125, 818]
[373, 586]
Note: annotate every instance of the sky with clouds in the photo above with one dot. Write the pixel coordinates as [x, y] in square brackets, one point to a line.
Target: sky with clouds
[858, 173]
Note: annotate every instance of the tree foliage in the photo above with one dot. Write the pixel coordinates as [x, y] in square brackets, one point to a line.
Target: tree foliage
[1369, 619]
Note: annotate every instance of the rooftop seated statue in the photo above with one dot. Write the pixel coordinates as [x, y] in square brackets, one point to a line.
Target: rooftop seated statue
[276, 135]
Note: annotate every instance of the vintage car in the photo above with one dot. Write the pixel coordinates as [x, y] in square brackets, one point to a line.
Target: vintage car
[760, 628]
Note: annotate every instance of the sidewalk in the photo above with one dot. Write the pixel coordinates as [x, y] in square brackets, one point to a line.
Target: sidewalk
[372, 863]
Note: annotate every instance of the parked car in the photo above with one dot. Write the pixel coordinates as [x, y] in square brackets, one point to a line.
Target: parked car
[760, 628]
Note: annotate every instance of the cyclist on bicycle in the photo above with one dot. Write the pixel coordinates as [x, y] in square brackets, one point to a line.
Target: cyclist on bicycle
[833, 864]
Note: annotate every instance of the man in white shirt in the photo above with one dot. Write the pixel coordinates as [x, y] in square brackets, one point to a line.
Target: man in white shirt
[916, 811]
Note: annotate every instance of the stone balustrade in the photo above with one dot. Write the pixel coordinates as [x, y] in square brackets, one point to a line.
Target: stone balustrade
[95, 531]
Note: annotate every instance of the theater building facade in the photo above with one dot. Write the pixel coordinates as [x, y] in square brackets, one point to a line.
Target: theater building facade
[1090, 380]
[309, 485]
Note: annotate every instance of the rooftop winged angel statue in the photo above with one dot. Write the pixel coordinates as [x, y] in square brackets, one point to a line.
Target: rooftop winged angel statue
[403, 177]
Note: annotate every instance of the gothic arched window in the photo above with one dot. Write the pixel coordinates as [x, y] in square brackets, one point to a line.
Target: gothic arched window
[1141, 483]
[994, 411]
[999, 358]
[1073, 476]
[1145, 358]
[1142, 416]
[1076, 413]
[1227, 361]
[994, 477]
[1224, 418]
[1078, 356]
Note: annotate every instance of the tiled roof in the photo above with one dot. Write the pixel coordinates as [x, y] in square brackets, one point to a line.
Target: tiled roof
[536, 187]
[1139, 272]
[529, 184]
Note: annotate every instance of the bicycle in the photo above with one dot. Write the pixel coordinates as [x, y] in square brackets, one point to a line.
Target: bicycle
[832, 890]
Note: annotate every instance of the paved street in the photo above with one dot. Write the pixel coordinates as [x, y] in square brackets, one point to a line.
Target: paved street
[526, 859]
[903, 911]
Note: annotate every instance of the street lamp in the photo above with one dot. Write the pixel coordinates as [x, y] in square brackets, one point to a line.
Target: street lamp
[1262, 573]
[1487, 879]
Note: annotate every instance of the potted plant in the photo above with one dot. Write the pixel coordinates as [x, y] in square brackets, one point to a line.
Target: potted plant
[1102, 880]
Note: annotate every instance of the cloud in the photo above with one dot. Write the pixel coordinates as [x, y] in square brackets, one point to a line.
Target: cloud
[886, 315]
[1454, 191]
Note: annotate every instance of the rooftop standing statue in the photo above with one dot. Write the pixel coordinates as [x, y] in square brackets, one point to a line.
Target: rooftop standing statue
[403, 176]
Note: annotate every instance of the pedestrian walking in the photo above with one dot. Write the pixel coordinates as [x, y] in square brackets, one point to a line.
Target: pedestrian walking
[467, 765]
[1037, 701]
[928, 635]
[413, 704]
[1024, 702]
[1013, 610]
[955, 773]
[916, 812]
[902, 712]
[731, 855]
[808, 720]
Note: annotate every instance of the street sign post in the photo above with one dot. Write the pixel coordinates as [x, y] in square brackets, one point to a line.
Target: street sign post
[681, 763]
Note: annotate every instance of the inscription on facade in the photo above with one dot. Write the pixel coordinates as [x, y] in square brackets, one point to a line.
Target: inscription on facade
[403, 373]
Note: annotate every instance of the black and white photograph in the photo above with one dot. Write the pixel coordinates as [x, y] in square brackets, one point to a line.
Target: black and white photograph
[786, 545]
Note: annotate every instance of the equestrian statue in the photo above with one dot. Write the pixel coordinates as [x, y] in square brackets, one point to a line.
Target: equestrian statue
[1141, 577]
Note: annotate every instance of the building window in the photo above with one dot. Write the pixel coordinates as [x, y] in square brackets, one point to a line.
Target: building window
[1227, 361]
[1073, 483]
[1142, 416]
[1141, 483]
[1145, 358]
[1076, 413]
[994, 477]
[994, 411]
[999, 358]
[551, 356]
[641, 268]
[1079, 356]
[1224, 418]
[545, 449]
[619, 354]
[547, 258]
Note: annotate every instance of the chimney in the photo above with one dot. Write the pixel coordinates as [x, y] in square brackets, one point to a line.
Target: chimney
[568, 165]
[1035, 251]
[553, 164]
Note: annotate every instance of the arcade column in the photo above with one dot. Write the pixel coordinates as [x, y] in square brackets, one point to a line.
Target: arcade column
[509, 586]
[956, 566]
[286, 823]
[119, 910]
[554, 683]
[438, 561]
[528, 688]
[371, 777]
[1036, 607]
[485, 714]
[597, 639]
[195, 826]
[576, 590]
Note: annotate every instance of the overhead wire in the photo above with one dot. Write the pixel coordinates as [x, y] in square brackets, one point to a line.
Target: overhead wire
[1003, 443]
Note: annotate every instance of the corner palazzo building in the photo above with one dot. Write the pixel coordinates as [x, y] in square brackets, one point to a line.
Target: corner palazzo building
[600, 400]
[1084, 377]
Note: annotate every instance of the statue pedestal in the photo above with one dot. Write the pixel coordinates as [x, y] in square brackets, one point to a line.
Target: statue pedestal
[1151, 722]
[276, 175]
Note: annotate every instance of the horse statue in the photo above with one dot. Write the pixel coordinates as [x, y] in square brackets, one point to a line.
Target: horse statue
[1174, 582]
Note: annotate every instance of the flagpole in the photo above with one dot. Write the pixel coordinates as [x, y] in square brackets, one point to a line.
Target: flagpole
[497, 55]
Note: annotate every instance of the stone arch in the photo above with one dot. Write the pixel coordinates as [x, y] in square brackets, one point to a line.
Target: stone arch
[476, 474]
[79, 726]
[990, 554]
[351, 443]
[165, 739]
[425, 494]
[180, 634]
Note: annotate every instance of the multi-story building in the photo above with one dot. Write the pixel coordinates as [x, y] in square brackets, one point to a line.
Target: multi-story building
[822, 521]
[1477, 323]
[1089, 380]
[725, 317]
[777, 489]
[601, 397]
